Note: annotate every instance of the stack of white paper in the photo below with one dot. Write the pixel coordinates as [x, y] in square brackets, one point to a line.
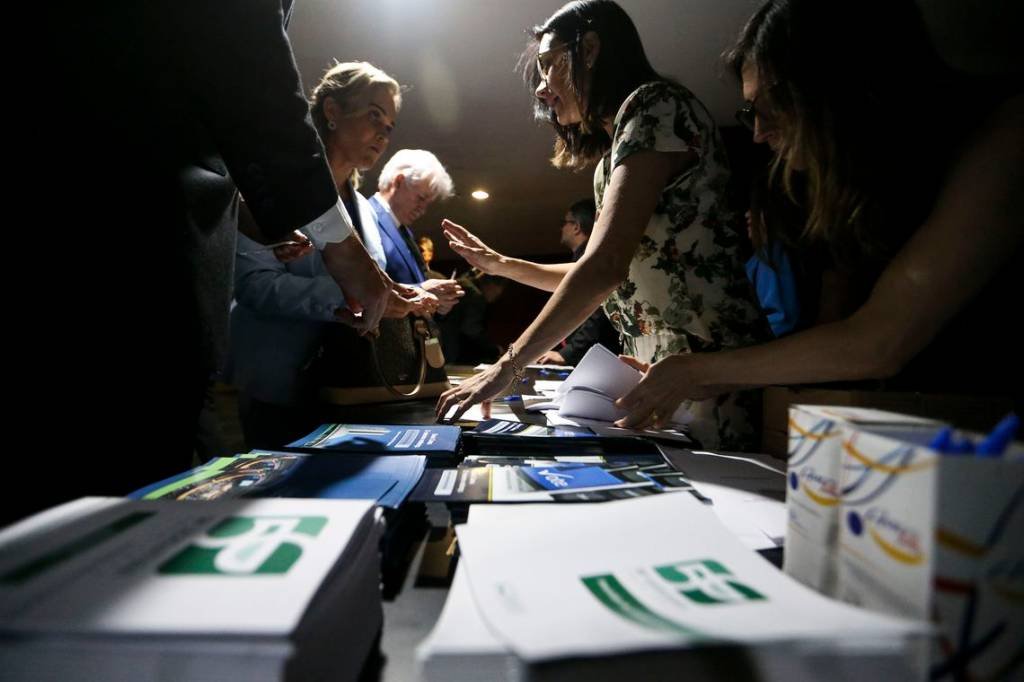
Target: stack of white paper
[574, 583]
[592, 388]
[111, 589]
[461, 647]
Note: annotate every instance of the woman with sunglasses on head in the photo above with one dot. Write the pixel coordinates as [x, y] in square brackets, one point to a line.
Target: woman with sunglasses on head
[662, 257]
[911, 179]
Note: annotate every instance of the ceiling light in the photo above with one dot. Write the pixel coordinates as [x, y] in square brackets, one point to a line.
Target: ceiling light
[480, 195]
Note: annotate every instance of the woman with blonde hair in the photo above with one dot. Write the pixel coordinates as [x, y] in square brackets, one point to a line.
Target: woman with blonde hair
[282, 308]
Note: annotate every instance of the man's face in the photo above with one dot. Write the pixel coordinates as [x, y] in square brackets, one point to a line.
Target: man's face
[410, 199]
[570, 231]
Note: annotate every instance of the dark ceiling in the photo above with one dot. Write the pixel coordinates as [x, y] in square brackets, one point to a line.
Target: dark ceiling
[467, 104]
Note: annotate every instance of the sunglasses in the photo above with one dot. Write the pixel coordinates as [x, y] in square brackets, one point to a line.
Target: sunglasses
[547, 58]
[749, 112]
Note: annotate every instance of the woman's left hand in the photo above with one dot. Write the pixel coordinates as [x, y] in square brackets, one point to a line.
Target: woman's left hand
[476, 389]
[654, 401]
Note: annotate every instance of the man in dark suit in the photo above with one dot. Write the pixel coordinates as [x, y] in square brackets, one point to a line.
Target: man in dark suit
[161, 112]
[408, 184]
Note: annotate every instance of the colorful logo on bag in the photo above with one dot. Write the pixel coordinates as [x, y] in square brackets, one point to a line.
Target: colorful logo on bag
[867, 477]
[895, 539]
[247, 545]
[804, 442]
[821, 489]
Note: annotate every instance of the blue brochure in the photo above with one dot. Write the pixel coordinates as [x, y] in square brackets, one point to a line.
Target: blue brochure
[388, 480]
[382, 439]
[501, 427]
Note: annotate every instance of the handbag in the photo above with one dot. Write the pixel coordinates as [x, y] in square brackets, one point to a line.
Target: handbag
[404, 362]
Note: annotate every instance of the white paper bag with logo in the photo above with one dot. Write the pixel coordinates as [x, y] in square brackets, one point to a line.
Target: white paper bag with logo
[813, 485]
[936, 536]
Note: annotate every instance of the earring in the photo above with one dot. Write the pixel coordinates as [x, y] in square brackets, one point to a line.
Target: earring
[331, 125]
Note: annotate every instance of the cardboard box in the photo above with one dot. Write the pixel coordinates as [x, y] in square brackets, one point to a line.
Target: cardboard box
[814, 486]
[937, 537]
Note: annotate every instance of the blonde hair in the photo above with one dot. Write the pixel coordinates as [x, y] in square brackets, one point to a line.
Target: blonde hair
[351, 85]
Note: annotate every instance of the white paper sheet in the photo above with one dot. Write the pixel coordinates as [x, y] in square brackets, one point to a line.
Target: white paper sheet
[653, 572]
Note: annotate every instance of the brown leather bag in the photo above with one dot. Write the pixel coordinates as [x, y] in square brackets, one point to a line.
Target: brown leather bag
[404, 362]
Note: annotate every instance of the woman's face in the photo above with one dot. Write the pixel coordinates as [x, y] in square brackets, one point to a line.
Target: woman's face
[766, 127]
[554, 88]
[361, 140]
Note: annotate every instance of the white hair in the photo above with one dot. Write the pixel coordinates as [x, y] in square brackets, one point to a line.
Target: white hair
[416, 165]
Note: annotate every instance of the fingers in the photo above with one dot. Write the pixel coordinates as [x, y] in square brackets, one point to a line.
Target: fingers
[634, 363]
[346, 316]
[638, 419]
[292, 252]
[448, 400]
[449, 226]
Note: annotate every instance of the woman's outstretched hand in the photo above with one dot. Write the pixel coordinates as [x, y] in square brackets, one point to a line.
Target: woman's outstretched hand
[469, 246]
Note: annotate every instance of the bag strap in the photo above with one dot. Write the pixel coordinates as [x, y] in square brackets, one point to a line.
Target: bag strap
[420, 331]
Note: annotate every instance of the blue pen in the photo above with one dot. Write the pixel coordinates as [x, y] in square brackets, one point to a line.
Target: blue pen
[996, 442]
[508, 398]
[964, 446]
[943, 441]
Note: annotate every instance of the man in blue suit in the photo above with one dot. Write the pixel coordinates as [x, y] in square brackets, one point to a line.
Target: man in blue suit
[408, 184]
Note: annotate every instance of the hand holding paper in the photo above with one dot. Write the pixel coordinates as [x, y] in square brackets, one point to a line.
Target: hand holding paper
[655, 399]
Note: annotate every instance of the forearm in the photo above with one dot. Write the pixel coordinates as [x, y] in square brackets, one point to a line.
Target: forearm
[849, 350]
[581, 291]
[542, 276]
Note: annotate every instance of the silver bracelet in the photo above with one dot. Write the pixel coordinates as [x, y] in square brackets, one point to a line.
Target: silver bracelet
[517, 370]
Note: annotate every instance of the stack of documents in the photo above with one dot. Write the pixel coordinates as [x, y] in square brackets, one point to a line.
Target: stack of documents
[592, 388]
[256, 590]
[657, 581]
[381, 439]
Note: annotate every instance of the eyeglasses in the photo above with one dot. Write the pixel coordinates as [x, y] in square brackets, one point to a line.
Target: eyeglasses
[749, 112]
[547, 58]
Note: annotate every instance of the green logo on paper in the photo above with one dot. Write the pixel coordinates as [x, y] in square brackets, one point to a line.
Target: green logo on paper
[247, 545]
[707, 582]
[703, 582]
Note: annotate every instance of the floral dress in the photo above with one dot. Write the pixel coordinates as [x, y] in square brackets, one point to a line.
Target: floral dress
[686, 291]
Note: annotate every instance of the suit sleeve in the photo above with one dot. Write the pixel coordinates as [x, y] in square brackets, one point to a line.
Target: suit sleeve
[264, 284]
[240, 64]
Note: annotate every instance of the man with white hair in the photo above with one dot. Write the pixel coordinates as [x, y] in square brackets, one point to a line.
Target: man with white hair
[410, 181]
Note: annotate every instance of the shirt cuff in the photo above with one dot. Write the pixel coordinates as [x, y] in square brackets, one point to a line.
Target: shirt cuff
[332, 227]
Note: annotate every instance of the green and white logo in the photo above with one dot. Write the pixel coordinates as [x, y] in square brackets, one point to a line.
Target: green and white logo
[707, 582]
[247, 545]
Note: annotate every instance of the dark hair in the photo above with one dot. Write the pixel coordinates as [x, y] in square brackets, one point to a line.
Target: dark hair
[583, 212]
[849, 84]
[620, 68]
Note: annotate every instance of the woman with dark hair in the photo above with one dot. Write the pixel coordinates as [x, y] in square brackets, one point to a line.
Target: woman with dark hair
[662, 257]
[911, 180]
